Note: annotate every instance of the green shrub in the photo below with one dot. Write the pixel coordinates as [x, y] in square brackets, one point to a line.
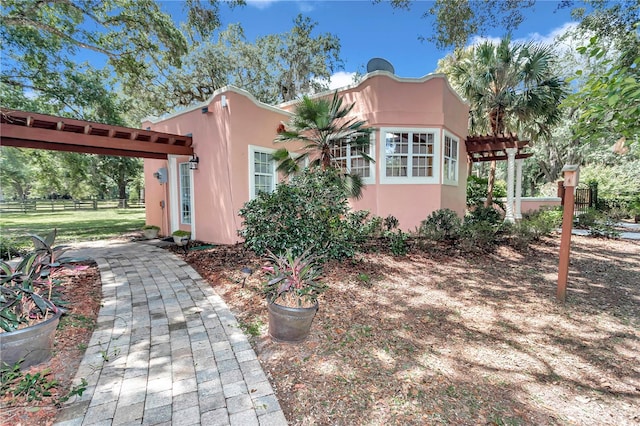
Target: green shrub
[544, 221]
[441, 225]
[8, 249]
[308, 212]
[604, 228]
[362, 227]
[478, 235]
[481, 214]
[521, 234]
[398, 242]
[391, 222]
[587, 219]
[477, 188]
[180, 233]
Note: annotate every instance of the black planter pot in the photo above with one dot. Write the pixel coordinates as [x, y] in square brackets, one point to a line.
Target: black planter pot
[33, 344]
[290, 325]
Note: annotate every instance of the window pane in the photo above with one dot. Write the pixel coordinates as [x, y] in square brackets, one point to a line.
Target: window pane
[185, 193]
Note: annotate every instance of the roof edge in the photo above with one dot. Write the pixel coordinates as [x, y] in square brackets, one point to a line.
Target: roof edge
[385, 74]
[208, 102]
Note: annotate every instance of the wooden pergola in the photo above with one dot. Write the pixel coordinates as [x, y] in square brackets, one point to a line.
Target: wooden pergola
[24, 129]
[498, 148]
[494, 148]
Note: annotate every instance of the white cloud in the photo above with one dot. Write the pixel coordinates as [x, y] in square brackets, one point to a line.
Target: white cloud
[476, 40]
[552, 37]
[261, 4]
[341, 79]
[303, 6]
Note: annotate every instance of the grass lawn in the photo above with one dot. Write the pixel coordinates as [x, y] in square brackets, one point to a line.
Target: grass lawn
[436, 337]
[79, 225]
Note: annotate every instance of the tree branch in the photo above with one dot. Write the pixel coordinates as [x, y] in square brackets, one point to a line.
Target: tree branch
[17, 21]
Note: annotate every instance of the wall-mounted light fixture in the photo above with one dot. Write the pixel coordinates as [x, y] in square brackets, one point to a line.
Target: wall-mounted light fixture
[205, 110]
[223, 101]
[193, 162]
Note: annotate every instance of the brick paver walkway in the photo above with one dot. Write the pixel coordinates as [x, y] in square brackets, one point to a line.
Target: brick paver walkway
[166, 349]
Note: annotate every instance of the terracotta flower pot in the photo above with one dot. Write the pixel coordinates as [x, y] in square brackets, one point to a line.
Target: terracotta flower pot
[34, 344]
[290, 325]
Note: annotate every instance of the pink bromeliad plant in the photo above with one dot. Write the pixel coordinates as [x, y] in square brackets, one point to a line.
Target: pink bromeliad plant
[293, 281]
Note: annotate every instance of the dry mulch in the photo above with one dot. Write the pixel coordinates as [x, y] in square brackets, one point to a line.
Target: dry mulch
[439, 337]
[82, 290]
[432, 337]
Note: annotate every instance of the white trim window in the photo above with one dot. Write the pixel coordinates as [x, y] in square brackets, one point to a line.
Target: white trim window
[185, 193]
[348, 160]
[262, 171]
[450, 159]
[410, 156]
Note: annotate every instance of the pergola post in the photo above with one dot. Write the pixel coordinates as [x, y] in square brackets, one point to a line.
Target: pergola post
[511, 159]
[518, 213]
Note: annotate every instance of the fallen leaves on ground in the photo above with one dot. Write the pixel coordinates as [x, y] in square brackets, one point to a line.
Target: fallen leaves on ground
[438, 337]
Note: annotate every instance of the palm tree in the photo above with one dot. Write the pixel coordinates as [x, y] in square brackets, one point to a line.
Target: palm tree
[510, 88]
[323, 126]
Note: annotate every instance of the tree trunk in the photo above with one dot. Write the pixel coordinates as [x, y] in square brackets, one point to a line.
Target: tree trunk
[122, 192]
[492, 180]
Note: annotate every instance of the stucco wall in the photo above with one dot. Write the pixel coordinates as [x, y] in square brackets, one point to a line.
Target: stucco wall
[154, 194]
[414, 104]
[223, 134]
[531, 204]
[221, 137]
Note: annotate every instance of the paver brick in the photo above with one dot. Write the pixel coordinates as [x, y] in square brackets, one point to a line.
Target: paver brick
[239, 403]
[185, 400]
[244, 418]
[186, 417]
[218, 417]
[177, 355]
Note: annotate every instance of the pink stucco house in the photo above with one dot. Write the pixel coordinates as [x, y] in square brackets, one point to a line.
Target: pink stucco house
[418, 146]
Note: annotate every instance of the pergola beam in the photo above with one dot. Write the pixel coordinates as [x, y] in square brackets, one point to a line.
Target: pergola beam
[24, 129]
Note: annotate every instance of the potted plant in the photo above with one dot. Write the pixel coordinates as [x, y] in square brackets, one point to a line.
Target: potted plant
[29, 303]
[181, 237]
[292, 292]
[150, 231]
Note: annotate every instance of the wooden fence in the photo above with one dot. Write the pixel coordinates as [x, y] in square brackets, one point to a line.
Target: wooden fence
[35, 206]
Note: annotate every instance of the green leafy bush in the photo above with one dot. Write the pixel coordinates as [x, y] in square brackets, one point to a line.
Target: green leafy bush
[308, 212]
[391, 222]
[481, 214]
[521, 234]
[587, 219]
[362, 226]
[604, 228]
[544, 221]
[441, 225]
[477, 191]
[398, 242]
[8, 248]
[476, 235]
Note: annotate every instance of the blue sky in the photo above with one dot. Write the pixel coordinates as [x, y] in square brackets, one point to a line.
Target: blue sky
[366, 30]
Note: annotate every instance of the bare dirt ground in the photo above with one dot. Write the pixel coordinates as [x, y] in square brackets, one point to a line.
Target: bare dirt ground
[440, 338]
[83, 292]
